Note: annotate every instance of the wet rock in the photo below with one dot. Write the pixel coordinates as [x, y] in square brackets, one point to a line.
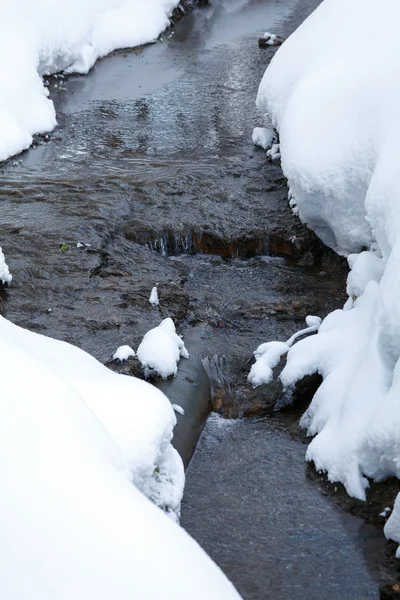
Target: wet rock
[307, 260]
[173, 301]
[172, 241]
[390, 592]
[231, 395]
[270, 39]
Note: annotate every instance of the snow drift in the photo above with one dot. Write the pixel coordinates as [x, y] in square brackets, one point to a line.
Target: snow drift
[40, 38]
[81, 447]
[333, 93]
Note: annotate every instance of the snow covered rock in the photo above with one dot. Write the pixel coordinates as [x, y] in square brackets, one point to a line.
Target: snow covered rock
[338, 120]
[82, 447]
[123, 353]
[263, 137]
[5, 275]
[61, 36]
[161, 350]
[269, 39]
[154, 297]
[268, 355]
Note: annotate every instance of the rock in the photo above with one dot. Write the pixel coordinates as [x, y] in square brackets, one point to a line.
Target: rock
[270, 39]
[307, 260]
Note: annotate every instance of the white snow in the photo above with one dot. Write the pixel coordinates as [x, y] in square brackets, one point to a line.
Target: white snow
[154, 297]
[263, 137]
[334, 99]
[274, 153]
[161, 349]
[268, 355]
[5, 275]
[178, 409]
[79, 444]
[123, 353]
[39, 39]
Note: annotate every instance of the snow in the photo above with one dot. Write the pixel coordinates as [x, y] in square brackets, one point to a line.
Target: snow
[274, 153]
[37, 40]
[81, 448]
[161, 349]
[337, 115]
[123, 353]
[5, 275]
[154, 297]
[263, 137]
[268, 355]
[178, 409]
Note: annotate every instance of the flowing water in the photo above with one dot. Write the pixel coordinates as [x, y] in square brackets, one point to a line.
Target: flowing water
[153, 171]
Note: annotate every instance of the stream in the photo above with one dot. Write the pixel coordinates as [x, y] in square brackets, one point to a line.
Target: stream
[152, 169]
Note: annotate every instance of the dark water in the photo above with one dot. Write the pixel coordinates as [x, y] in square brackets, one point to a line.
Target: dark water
[153, 166]
[249, 504]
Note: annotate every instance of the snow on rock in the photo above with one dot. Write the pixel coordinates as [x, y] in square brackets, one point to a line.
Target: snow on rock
[5, 275]
[268, 355]
[161, 349]
[263, 137]
[61, 36]
[338, 120]
[154, 297]
[274, 153]
[123, 353]
[79, 445]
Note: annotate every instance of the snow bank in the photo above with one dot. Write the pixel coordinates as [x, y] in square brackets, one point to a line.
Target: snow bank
[333, 93]
[77, 443]
[38, 39]
[161, 349]
[5, 275]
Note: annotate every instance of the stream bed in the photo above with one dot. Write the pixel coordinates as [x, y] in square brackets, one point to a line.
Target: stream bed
[153, 171]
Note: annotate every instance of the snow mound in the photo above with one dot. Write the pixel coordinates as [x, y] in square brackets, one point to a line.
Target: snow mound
[338, 120]
[5, 275]
[263, 137]
[123, 353]
[161, 349]
[78, 443]
[61, 36]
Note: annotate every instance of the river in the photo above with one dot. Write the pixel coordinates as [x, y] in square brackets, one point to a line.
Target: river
[152, 166]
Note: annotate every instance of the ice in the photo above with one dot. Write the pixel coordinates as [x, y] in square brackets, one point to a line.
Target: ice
[263, 137]
[123, 353]
[5, 275]
[81, 449]
[154, 297]
[338, 119]
[161, 349]
[52, 36]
